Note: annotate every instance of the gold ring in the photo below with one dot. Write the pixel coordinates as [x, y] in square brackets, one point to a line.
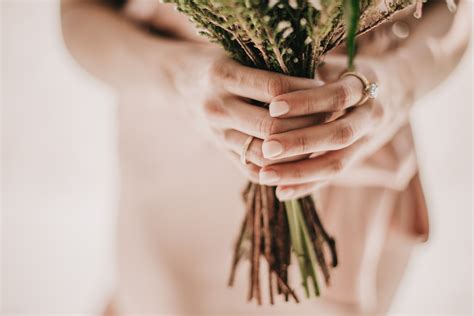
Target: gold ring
[370, 90]
[245, 148]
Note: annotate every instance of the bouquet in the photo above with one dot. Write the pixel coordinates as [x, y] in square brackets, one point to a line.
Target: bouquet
[289, 37]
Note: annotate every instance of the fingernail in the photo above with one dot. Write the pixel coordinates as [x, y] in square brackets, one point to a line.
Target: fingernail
[319, 82]
[268, 176]
[285, 194]
[271, 149]
[278, 108]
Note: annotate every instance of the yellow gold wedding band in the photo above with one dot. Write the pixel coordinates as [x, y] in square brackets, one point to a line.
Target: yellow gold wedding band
[245, 148]
[370, 89]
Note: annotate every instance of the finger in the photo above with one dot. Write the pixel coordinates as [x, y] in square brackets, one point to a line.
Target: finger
[335, 65]
[256, 84]
[250, 171]
[335, 135]
[332, 97]
[235, 140]
[234, 113]
[332, 68]
[290, 192]
[323, 167]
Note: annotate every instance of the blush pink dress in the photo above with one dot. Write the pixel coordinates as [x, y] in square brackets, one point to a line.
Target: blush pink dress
[180, 210]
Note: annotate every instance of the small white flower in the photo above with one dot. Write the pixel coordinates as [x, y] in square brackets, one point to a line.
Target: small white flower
[296, 60]
[266, 19]
[271, 3]
[283, 25]
[289, 51]
[317, 4]
[303, 22]
[281, 6]
[287, 32]
[307, 40]
[293, 4]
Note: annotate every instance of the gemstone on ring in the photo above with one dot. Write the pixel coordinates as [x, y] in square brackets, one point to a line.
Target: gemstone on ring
[372, 90]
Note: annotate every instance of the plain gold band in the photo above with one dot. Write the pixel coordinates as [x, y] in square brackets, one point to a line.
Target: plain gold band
[365, 83]
[245, 148]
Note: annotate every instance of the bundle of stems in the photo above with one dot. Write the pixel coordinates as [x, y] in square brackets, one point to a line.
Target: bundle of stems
[274, 229]
[289, 37]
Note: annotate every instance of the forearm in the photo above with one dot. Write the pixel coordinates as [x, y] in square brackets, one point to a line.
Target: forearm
[111, 47]
[435, 46]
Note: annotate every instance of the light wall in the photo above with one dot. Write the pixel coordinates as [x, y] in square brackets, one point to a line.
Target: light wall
[59, 188]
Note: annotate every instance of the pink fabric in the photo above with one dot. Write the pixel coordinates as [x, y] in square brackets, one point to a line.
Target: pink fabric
[378, 198]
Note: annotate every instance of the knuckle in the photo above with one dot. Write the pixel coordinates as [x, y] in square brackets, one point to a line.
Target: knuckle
[344, 134]
[336, 165]
[302, 143]
[213, 109]
[256, 155]
[225, 135]
[274, 126]
[307, 106]
[341, 97]
[267, 126]
[219, 71]
[277, 126]
[277, 85]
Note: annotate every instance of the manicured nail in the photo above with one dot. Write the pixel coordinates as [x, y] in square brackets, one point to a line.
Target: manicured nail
[271, 149]
[268, 177]
[285, 194]
[319, 82]
[278, 108]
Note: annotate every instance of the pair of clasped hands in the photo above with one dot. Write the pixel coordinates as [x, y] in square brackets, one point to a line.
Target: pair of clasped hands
[312, 131]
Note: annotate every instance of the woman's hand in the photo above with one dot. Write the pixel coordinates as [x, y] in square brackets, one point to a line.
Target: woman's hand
[217, 91]
[335, 145]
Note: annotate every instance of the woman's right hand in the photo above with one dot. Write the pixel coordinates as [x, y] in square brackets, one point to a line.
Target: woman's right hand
[217, 91]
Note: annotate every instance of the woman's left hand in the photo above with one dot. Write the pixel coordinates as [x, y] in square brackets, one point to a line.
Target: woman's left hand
[333, 146]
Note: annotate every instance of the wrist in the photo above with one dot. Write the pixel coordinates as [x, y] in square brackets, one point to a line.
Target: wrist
[158, 58]
[185, 64]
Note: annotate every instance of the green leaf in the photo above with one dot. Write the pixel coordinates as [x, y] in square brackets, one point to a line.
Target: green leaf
[352, 16]
[297, 241]
[311, 260]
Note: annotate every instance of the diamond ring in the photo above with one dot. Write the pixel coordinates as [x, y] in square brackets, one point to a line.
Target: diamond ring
[370, 90]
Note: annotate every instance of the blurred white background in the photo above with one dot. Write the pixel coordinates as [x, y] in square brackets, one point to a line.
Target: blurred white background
[59, 188]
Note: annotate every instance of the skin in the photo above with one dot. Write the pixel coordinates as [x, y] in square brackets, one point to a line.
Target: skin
[404, 75]
[214, 91]
[219, 99]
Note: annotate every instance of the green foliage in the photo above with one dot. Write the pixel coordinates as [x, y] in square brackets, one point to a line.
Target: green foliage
[286, 36]
[352, 16]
